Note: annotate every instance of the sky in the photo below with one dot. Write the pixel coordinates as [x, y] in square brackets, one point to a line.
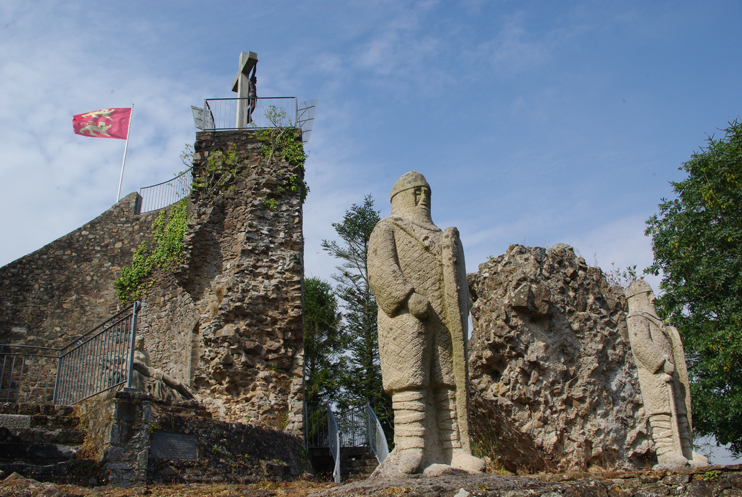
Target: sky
[535, 122]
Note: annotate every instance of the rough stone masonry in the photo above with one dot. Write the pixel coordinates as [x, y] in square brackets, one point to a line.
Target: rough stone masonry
[552, 376]
[227, 322]
[65, 288]
[243, 270]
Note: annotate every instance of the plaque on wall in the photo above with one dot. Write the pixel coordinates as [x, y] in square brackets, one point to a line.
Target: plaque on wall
[173, 446]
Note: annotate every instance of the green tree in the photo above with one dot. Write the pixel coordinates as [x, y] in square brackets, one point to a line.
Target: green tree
[362, 380]
[323, 341]
[697, 244]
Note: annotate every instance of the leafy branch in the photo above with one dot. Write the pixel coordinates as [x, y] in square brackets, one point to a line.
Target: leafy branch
[623, 278]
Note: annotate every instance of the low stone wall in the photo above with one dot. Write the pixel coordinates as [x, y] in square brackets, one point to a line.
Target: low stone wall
[553, 382]
[139, 439]
[66, 288]
[710, 480]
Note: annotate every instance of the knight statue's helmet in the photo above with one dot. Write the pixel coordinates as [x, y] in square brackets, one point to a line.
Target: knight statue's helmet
[407, 181]
[637, 287]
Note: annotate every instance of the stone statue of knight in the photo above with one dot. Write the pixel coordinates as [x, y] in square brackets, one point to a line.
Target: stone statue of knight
[418, 276]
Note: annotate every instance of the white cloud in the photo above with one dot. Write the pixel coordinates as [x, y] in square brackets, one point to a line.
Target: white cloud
[56, 179]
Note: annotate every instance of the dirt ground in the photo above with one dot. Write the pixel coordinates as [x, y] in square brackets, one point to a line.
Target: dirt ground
[708, 481]
[19, 486]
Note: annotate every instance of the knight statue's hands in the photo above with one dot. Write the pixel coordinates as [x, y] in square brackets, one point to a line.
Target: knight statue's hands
[418, 306]
[668, 367]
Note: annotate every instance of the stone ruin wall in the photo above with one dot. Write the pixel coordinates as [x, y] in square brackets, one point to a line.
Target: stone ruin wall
[65, 288]
[553, 382]
[228, 322]
[244, 268]
[168, 322]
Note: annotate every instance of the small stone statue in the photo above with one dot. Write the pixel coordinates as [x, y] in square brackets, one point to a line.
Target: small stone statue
[663, 379]
[418, 276]
[140, 354]
[153, 381]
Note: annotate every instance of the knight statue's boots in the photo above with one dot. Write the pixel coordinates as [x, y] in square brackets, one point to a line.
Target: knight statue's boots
[450, 437]
[409, 429]
[662, 434]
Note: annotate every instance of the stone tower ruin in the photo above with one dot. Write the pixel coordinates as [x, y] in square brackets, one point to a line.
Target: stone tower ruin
[227, 322]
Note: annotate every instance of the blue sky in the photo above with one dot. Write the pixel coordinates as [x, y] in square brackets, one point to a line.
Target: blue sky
[534, 122]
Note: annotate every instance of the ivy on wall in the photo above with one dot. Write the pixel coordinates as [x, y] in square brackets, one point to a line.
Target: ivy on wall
[219, 174]
[279, 142]
[282, 142]
[164, 252]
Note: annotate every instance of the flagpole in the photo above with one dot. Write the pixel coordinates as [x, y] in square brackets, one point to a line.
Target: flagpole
[123, 162]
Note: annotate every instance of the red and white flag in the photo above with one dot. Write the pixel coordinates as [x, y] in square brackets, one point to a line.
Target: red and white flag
[104, 123]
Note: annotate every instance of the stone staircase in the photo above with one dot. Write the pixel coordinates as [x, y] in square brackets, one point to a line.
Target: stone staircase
[45, 442]
[357, 463]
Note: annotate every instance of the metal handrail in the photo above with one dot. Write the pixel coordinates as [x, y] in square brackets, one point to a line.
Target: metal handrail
[161, 195]
[222, 114]
[376, 436]
[99, 360]
[334, 442]
[85, 337]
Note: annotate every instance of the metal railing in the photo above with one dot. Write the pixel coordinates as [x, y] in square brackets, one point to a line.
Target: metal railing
[358, 427]
[376, 437]
[352, 425]
[221, 114]
[163, 194]
[334, 443]
[27, 373]
[99, 360]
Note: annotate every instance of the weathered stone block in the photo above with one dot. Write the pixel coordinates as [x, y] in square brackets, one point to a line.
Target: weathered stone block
[15, 421]
[553, 381]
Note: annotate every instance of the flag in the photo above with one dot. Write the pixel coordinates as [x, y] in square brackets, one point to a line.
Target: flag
[104, 123]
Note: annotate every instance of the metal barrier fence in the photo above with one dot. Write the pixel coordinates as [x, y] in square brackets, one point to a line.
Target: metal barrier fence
[99, 360]
[27, 373]
[163, 194]
[221, 114]
[352, 425]
[357, 427]
[376, 437]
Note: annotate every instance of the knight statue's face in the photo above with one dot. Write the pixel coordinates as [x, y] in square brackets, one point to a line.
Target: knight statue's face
[422, 197]
[413, 203]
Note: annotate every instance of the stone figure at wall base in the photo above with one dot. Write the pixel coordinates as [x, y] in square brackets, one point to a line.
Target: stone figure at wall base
[663, 378]
[417, 274]
[154, 382]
